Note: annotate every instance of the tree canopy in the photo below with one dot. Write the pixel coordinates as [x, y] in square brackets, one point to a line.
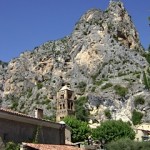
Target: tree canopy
[127, 144]
[113, 130]
[80, 130]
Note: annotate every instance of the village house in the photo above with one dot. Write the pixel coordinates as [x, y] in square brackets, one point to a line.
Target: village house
[142, 132]
[18, 127]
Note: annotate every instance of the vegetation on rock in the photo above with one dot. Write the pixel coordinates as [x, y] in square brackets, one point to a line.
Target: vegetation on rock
[136, 117]
[107, 113]
[81, 112]
[121, 91]
[139, 100]
[101, 57]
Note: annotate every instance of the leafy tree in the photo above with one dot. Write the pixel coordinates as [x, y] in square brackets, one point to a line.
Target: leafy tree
[113, 130]
[81, 112]
[136, 117]
[80, 129]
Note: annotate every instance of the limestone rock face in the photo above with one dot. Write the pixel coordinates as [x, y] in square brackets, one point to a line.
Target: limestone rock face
[102, 59]
[3, 68]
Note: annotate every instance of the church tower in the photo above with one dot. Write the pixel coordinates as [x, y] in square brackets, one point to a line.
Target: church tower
[65, 103]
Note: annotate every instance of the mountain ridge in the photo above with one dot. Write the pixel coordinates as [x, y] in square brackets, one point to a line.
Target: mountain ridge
[102, 55]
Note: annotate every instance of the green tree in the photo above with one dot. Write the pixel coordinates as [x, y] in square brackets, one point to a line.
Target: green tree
[81, 112]
[113, 130]
[80, 130]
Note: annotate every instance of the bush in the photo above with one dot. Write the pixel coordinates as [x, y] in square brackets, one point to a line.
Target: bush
[107, 85]
[136, 117]
[29, 93]
[121, 91]
[107, 113]
[12, 146]
[122, 144]
[39, 85]
[14, 105]
[139, 101]
[82, 86]
[93, 89]
[127, 144]
[98, 82]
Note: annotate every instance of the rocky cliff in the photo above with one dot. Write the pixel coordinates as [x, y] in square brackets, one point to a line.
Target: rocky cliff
[102, 59]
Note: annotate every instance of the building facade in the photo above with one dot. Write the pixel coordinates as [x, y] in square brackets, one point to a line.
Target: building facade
[20, 128]
[142, 132]
[65, 103]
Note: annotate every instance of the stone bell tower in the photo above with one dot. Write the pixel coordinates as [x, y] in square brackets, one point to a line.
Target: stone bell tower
[65, 103]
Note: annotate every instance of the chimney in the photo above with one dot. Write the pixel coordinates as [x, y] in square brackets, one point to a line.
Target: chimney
[39, 113]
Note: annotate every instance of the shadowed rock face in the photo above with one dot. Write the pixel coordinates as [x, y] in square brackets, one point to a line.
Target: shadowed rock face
[102, 59]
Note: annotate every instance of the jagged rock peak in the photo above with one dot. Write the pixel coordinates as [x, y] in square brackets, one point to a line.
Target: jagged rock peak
[92, 14]
[115, 21]
[116, 4]
[100, 59]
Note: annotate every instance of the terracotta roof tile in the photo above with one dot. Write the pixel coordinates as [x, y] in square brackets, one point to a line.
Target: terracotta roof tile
[23, 115]
[51, 147]
[18, 114]
[14, 112]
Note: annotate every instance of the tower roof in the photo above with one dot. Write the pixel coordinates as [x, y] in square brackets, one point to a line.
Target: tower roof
[65, 88]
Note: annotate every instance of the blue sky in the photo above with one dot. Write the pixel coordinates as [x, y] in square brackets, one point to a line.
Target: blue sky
[25, 24]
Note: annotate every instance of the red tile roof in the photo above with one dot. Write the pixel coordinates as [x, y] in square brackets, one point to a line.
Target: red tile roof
[14, 112]
[20, 114]
[51, 147]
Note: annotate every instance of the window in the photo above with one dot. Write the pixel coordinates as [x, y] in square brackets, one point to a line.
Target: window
[5, 136]
[61, 96]
[61, 118]
[63, 106]
[68, 105]
[60, 106]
